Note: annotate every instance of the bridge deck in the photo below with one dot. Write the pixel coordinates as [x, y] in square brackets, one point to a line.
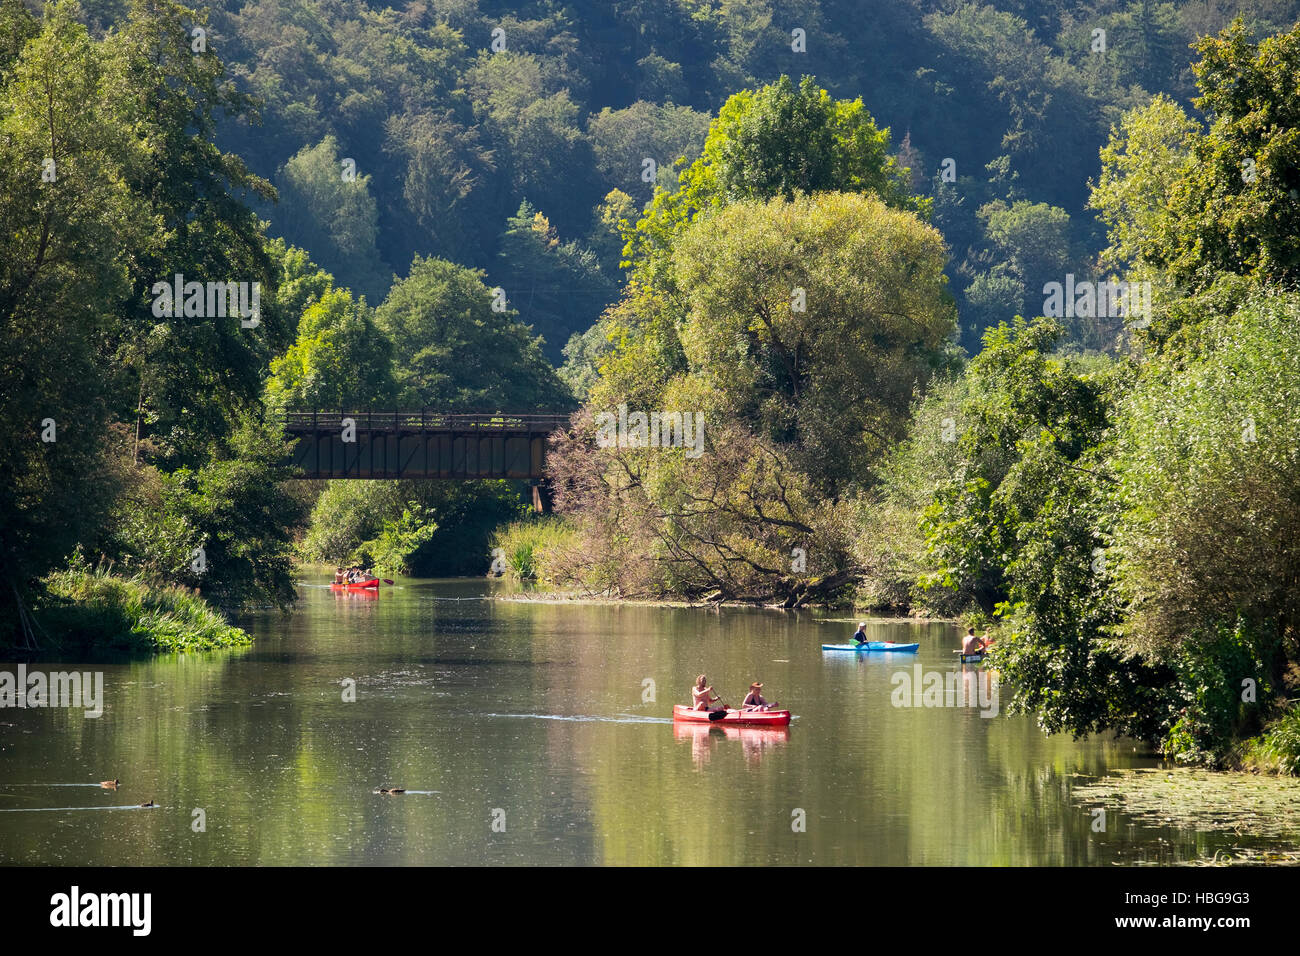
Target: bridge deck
[421, 444]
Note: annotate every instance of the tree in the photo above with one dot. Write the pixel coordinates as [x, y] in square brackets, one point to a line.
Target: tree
[71, 224]
[1033, 238]
[340, 360]
[1231, 199]
[241, 515]
[624, 139]
[558, 288]
[1019, 527]
[1147, 155]
[1210, 481]
[994, 297]
[813, 321]
[805, 328]
[611, 220]
[325, 209]
[185, 380]
[773, 143]
[455, 352]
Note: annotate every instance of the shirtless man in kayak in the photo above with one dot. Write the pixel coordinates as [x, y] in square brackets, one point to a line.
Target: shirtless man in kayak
[703, 695]
[971, 644]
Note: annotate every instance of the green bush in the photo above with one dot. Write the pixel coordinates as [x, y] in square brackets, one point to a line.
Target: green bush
[391, 551]
[83, 608]
[1278, 748]
[424, 528]
[1214, 717]
[531, 548]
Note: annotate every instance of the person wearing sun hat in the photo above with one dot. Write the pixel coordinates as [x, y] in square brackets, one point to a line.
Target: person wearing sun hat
[754, 699]
[860, 635]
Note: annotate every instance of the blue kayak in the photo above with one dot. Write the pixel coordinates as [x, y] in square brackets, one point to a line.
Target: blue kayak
[871, 646]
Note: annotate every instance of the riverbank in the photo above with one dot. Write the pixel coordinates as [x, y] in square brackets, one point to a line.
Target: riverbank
[575, 597]
[83, 610]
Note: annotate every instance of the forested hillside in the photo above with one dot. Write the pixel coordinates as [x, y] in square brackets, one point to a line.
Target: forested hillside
[456, 113]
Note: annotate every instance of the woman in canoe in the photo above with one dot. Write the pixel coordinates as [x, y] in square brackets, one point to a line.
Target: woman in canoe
[860, 635]
[754, 699]
[703, 695]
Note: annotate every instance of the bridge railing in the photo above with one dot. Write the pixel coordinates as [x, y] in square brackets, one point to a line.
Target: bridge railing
[302, 420]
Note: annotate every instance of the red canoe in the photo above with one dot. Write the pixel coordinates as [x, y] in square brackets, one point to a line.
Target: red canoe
[359, 586]
[753, 718]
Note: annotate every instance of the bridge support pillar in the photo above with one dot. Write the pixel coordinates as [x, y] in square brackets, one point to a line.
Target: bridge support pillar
[541, 499]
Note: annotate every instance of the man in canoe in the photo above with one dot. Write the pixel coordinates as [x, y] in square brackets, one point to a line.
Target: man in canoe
[860, 635]
[703, 695]
[754, 699]
[338, 575]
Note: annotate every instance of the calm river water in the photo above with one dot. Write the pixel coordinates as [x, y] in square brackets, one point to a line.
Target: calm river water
[541, 734]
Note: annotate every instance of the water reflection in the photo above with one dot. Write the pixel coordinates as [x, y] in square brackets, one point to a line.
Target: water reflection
[754, 741]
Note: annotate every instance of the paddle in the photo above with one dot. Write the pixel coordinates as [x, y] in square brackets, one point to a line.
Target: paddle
[386, 581]
[715, 715]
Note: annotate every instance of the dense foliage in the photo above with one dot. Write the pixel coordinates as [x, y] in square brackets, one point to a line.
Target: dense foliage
[790, 222]
[1115, 497]
[148, 434]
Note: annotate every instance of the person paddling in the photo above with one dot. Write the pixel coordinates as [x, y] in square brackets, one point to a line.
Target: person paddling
[703, 695]
[971, 644]
[860, 635]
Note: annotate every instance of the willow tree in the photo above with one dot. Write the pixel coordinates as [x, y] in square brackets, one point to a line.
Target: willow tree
[813, 322]
[775, 142]
[805, 328]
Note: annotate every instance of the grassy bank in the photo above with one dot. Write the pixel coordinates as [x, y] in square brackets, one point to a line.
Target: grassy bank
[84, 609]
[536, 549]
[1277, 749]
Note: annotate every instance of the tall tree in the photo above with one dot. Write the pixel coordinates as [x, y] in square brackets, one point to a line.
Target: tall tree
[456, 352]
[71, 225]
[326, 206]
[340, 360]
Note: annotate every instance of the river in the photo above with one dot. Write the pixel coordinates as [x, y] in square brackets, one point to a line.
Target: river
[533, 733]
